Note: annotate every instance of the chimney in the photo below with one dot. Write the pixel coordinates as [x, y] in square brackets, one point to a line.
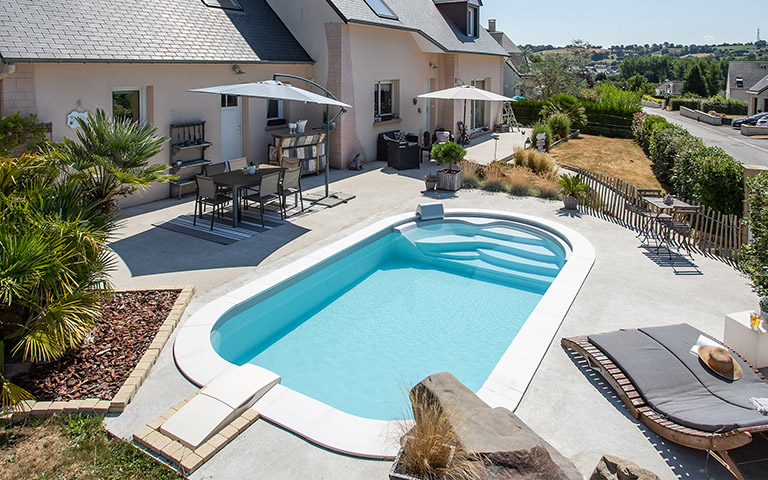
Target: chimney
[491, 25]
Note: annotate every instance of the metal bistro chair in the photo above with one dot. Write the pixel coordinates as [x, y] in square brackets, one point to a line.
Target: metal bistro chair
[680, 223]
[216, 169]
[290, 162]
[291, 185]
[269, 190]
[207, 195]
[637, 206]
[237, 164]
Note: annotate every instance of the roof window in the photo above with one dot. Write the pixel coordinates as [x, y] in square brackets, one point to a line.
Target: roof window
[739, 82]
[381, 9]
[224, 4]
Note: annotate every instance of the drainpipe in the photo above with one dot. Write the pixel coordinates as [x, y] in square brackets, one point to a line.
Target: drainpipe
[10, 67]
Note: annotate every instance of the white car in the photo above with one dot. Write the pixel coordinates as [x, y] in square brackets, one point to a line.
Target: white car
[762, 122]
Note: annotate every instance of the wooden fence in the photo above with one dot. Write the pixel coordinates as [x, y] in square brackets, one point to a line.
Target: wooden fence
[712, 232]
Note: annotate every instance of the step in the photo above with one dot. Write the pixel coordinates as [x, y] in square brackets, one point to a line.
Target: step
[451, 243]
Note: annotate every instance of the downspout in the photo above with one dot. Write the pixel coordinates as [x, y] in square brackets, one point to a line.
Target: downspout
[10, 68]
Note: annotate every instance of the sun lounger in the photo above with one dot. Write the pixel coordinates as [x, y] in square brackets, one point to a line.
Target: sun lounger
[673, 392]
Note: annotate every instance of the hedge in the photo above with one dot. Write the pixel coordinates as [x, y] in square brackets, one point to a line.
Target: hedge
[754, 258]
[729, 106]
[676, 102]
[527, 112]
[666, 141]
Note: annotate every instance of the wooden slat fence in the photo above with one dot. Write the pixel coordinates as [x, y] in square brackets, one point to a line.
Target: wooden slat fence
[712, 232]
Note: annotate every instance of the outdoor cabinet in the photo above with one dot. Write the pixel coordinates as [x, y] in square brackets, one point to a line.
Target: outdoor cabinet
[309, 148]
[188, 146]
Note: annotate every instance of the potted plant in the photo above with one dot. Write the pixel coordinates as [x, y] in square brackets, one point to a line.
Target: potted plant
[764, 310]
[450, 153]
[572, 188]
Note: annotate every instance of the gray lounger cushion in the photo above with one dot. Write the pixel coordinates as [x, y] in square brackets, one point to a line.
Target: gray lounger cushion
[676, 384]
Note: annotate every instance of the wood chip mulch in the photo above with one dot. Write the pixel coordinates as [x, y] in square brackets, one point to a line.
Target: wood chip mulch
[100, 366]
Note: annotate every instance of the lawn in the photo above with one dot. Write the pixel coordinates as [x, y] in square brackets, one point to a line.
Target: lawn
[72, 447]
[615, 157]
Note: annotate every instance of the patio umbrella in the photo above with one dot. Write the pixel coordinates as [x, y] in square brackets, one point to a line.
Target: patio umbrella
[466, 92]
[277, 90]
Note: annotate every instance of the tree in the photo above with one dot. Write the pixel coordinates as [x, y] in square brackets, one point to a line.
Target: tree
[694, 82]
[637, 83]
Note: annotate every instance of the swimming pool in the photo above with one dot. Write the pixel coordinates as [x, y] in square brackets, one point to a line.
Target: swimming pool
[447, 296]
[351, 327]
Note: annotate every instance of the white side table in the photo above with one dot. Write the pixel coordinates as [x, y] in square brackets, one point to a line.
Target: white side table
[751, 344]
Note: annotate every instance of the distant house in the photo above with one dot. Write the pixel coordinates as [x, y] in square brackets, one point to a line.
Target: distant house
[514, 62]
[670, 87]
[742, 76]
[141, 58]
[757, 96]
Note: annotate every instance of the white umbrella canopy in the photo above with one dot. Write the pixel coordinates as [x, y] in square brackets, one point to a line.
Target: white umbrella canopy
[466, 92]
[272, 89]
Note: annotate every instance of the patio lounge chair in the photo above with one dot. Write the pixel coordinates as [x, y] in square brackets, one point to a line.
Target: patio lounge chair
[673, 392]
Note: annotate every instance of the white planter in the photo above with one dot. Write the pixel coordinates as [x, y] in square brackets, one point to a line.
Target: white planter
[451, 180]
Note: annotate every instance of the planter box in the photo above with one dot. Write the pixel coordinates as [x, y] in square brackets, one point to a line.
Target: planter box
[451, 180]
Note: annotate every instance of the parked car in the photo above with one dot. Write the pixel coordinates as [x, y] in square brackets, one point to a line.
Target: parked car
[762, 122]
[750, 120]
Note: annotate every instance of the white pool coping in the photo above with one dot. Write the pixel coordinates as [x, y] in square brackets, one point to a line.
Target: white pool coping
[362, 437]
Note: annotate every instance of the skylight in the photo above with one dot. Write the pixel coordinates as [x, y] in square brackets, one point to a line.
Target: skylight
[381, 9]
[225, 4]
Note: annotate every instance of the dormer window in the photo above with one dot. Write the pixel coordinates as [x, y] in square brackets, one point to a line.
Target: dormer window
[472, 20]
[224, 4]
[381, 9]
[739, 82]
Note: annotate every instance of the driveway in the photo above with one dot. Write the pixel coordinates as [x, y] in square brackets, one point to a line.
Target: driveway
[747, 150]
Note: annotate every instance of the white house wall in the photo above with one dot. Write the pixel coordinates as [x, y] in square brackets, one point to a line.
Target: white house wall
[58, 88]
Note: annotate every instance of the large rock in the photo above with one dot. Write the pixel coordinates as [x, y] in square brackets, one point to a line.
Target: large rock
[511, 449]
[615, 468]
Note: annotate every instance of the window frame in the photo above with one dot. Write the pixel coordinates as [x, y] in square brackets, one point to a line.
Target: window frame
[234, 5]
[477, 105]
[280, 109]
[378, 116]
[391, 15]
[472, 21]
[142, 104]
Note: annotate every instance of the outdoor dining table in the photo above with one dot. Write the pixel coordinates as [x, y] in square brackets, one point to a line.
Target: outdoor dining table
[660, 206]
[241, 179]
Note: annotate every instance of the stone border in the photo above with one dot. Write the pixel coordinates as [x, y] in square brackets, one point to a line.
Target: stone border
[126, 393]
[185, 459]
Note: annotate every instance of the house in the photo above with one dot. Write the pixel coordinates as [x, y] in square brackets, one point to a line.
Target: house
[742, 76]
[670, 87]
[514, 62]
[139, 59]
[757, 96]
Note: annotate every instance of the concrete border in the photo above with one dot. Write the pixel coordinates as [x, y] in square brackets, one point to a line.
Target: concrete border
[131, 385]
[324, 425]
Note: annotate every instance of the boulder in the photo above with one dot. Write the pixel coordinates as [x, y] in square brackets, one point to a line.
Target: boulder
[615, 468]
[510, 448]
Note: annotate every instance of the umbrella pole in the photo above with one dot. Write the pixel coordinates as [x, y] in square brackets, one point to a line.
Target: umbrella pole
[464, 119]
[327, 145]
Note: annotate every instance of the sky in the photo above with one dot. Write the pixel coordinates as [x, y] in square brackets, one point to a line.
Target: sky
[621, 22]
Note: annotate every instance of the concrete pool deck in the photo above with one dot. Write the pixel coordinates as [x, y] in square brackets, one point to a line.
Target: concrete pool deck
[629, 286]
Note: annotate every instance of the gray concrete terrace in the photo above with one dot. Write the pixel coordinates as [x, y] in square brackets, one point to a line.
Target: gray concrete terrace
[569, 406]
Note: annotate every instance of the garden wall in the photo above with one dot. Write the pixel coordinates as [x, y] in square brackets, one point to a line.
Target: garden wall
[700, 116]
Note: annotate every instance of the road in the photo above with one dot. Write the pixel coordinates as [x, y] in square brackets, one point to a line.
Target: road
[747, 150]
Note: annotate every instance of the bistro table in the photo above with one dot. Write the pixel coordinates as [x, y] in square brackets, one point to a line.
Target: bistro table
[240, 179]
[662, 207]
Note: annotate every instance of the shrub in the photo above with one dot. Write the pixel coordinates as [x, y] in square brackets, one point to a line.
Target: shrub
[547, 187]
[649, 98]
[570, 106]
[650, 123]
[689, 102]
[520, 180]
[538, 162]
[448, 152]
[527, 111]
[710, 176]
[17, 132]
[470, 169]
[616, 101]
[540, 127]
[728, 106]
[572, 185]
[493, 174]
[754, 260]
[590, 95]
[559, 124]
[667, 140]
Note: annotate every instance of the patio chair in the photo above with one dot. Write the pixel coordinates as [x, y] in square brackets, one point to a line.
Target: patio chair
[674, 392]
[442, 135]
[208, 195]
[680, 224]
[637, 206]
[215, 169]
[291, 185]
[290, 162]
[426, 146]
[269, 190]
[237, 164]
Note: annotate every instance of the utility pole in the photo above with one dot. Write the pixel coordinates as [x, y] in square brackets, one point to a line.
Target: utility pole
[758, 34]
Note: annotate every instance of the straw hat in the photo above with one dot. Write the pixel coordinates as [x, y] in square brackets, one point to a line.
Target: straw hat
[720, 361]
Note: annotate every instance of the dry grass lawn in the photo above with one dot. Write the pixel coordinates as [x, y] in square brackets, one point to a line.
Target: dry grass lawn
[615, 157]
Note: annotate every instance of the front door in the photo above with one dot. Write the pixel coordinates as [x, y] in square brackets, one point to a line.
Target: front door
[231, 128]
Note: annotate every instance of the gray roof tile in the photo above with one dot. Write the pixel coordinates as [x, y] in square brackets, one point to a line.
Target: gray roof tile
[140, 30]
[421, 16]
[760, 86]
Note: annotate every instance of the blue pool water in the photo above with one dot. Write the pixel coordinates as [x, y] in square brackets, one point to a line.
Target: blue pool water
[358, 333]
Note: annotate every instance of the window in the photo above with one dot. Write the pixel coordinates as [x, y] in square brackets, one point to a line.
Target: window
[274, 109]
[229, 101]
[739, 82]
[127, 103]
[477, 115]
[225, 4]
[472, 22]
[381, 9]
[384, 93]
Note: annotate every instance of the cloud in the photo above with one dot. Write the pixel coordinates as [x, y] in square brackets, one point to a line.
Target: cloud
[708, 38]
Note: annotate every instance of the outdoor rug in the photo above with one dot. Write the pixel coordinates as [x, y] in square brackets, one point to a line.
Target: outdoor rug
[223, 232]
